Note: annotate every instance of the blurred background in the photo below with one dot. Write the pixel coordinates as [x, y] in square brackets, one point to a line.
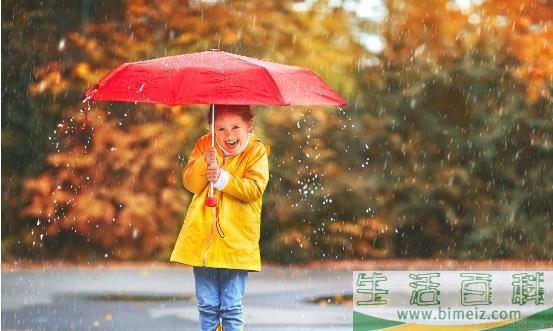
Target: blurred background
[444, 151]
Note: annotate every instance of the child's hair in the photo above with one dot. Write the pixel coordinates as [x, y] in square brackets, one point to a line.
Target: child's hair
[244, 111]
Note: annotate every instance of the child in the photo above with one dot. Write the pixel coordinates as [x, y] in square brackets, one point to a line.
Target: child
[224, 248]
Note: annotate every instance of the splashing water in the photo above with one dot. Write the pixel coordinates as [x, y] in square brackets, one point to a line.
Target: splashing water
[86, 110]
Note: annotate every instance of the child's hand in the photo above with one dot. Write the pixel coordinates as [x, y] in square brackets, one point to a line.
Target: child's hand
[210, 155]
[213, 172]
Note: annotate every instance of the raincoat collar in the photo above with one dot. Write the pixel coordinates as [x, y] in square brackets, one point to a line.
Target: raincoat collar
[225, 153]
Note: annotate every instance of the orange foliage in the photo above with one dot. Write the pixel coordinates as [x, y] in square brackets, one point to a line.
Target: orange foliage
[122, 191]
[527, 27]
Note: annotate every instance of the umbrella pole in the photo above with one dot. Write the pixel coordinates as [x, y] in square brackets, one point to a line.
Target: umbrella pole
[211, 201]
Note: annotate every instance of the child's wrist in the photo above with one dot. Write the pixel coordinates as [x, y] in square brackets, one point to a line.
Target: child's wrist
[222, 179]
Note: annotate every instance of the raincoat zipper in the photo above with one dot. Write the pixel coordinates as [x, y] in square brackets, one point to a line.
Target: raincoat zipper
[213, 218]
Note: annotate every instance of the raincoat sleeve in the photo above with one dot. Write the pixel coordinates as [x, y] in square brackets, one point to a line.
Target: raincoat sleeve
[194, 173]
[250, 187]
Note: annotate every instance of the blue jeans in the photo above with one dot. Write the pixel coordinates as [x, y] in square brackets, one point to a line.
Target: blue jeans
[219, 295]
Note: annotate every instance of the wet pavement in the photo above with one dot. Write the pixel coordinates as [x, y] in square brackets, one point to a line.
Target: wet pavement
[162, 298]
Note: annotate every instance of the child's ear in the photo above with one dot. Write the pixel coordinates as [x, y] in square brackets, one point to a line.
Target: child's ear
[251, 126]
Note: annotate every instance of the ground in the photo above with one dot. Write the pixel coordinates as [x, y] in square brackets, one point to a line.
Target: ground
[160, 296]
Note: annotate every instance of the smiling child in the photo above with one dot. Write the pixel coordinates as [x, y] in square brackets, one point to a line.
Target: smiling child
[222, 242]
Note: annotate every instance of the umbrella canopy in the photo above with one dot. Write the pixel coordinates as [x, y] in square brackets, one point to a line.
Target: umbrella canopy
[214, 77]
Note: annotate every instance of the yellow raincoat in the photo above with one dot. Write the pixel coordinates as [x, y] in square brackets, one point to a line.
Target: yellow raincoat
[239, 209]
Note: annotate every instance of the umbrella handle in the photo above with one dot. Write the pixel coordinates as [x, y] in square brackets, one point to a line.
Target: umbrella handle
[211, 201]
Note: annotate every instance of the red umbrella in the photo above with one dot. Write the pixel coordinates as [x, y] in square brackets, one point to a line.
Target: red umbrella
[213, 77]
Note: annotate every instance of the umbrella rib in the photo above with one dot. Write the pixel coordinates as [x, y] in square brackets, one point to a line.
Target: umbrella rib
[276, 85]
[282, 101]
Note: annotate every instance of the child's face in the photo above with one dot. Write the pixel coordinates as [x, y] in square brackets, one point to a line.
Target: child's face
[231, 131]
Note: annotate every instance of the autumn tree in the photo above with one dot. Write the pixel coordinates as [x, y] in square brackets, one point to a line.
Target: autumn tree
[462, 163]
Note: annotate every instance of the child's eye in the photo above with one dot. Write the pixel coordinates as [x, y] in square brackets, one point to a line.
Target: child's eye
[235, 127]
[221, 129]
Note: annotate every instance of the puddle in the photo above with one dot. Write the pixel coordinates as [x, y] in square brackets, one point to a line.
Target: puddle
[336, 300]
[137, 297]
